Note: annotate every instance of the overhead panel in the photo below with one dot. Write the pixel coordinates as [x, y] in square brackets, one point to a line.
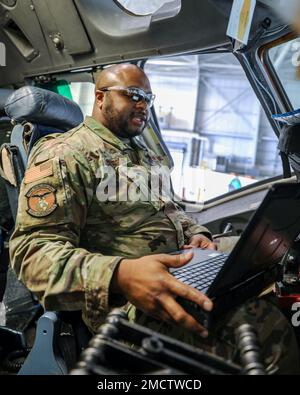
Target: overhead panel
[62, 26]
[44, 37]
[21, 35]
[119, 35]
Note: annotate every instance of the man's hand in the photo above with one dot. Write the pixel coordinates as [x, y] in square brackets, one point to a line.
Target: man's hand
[200, 241]
[147, 284]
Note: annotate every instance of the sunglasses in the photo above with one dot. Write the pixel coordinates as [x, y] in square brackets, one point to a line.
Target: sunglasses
[135, 94]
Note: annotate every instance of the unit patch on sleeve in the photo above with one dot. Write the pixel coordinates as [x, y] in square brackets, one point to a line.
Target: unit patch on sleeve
[41, 200]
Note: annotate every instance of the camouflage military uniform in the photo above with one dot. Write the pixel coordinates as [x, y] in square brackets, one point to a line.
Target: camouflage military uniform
[67, 243]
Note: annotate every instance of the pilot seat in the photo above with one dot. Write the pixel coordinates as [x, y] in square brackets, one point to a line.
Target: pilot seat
[35, 113]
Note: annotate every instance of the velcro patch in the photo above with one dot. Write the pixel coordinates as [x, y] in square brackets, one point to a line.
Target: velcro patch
[41, 200]
[38, 172]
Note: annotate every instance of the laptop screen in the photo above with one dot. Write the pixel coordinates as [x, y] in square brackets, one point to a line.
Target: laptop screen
[269, 234]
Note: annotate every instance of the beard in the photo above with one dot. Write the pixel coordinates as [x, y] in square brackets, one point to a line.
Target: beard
[120, 123]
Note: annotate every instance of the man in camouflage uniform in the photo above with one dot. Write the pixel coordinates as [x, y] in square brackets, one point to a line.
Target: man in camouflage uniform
[77, 251]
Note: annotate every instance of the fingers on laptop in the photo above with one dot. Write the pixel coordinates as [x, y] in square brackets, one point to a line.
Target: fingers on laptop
[187, 247]
[180, 316]
[175, 260]
[177, 288]
[187, 292]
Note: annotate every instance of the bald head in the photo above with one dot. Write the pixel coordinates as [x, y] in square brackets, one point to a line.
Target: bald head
[118, 74]
[114, 108]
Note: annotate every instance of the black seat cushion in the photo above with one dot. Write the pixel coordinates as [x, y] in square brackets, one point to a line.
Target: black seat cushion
[43, 107]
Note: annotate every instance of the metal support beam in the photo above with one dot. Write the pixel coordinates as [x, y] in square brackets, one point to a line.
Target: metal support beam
[229, 103]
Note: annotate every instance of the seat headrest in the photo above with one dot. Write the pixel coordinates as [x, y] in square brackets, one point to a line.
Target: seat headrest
[43, 107]
[4, 95]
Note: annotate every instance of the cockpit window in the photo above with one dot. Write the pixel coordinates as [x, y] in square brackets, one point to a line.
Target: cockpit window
[285, 59]
[213, 125]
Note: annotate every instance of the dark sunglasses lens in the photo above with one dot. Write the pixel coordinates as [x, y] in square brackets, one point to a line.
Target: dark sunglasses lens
[139, 96]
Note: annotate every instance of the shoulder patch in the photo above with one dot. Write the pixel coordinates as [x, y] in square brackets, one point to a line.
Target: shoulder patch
[38, 172]
[41, 200]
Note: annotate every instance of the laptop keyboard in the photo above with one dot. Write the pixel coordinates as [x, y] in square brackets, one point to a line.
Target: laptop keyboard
[201, 275]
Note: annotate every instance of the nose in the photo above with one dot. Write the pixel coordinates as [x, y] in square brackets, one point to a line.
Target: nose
[142, 104]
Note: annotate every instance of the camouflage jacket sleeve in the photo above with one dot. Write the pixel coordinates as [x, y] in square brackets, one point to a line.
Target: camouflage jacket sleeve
[55, 195]
[191, 227]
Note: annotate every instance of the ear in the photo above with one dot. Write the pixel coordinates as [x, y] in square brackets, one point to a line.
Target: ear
[99, 98]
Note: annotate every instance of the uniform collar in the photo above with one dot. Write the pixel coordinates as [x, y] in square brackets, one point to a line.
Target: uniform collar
[104, 133]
